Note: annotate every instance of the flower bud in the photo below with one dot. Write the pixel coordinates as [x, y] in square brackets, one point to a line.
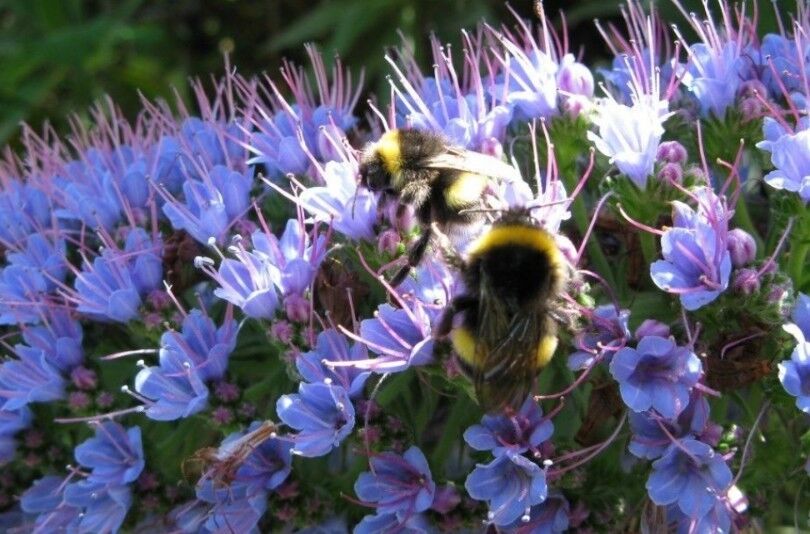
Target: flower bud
[671, 152]
[651, 327]
[751, 88]
[401, 216]
[751, 109]
[282, 331]
[78, 400]
[446, 499]
[388, 241]
[671, 173]
[492, 147]
[84, 378]
[575, 78]
[746, 281]
[297, 308]
[741, 247]
[569, 251]
[226, 391]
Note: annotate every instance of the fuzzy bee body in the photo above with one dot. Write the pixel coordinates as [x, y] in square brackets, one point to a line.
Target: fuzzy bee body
[440, 181]
[513, 274]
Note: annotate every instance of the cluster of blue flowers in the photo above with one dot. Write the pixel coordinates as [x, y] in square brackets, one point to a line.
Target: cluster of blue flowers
[196, 319]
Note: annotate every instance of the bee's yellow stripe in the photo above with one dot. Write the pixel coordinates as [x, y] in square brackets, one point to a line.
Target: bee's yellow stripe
[545, 350]
[518, 235]
[464, 343]
[388, 147]
[465, 190]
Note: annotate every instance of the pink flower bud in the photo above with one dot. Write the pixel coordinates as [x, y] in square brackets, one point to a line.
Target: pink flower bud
[671, 173]
[388, 241]
[84, 378]
[297, 308]
[671, 152]
[741, 247]
[746, 281]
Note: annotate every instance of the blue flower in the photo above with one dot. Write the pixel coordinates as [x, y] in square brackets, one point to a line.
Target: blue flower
[206, 347]
[351, 210]
[103, 507]
[548, 517]
[235, 508]
[689, 268]
[332, 359]
[399, 485]
[268, 465]
[657, 374]
[794, 374]
[247, 282]
[323, 415]
[713, 75]
[607, 332]
[432, 284]
[59, 337]
[210, 204]
[44, 256]
[175, 386]
[650, 440]
[114, 454]
[510, 484]
[11, 422]
[44, 495]
[401, 337]
[295, 254]
[511, 435]
[385, 523]
[801, 316]
[22, 291]
[690, 474]
[24, 209]
[144, 258]
[31, 378]
[791, 159]
[106, 290]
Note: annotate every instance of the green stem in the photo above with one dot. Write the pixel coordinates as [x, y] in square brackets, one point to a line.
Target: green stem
[797, 261]
[595, 253]
[648, 247]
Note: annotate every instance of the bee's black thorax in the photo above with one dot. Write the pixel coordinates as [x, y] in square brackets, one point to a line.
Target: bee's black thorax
[518, 274]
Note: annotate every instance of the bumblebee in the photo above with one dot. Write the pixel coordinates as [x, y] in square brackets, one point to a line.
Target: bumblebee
[443, 183]
[513, 274]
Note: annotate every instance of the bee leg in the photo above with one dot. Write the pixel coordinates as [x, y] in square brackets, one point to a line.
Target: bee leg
[415, 255]
[457, 305]
[445, 246]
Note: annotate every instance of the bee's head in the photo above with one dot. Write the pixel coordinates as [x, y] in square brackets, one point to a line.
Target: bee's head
[373, 174]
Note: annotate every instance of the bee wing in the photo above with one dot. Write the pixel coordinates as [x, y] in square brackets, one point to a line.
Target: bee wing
[507, 348]
[468, 161]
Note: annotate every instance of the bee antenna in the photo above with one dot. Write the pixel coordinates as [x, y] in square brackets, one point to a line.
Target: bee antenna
[482, 210]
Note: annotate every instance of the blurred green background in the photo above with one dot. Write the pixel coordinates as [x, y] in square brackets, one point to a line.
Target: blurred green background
[58, 56]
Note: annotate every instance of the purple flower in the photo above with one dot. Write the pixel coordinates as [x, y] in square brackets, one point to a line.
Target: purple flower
[103, 506]
[114, 454]
[697, 263]
[511, 436]
[331, 348]
[650, 440]
[295, 254]
[400, 336]
[431, 283]
[511, 485]
[24, 209]
[801, 316]
[323, 415]
[175, 387]
[200, 343]
[657, 374]
[145, 260]
[690, 474]
[31, 378]
[44, 495]
[607, 332]
[400, 485]
[741, 247]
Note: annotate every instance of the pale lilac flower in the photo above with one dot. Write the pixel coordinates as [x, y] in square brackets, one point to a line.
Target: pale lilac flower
[202, 344]
[297, 254]
[790, 157]
[175, 387]
[248, 282]
[794, 374]
[331, 346]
